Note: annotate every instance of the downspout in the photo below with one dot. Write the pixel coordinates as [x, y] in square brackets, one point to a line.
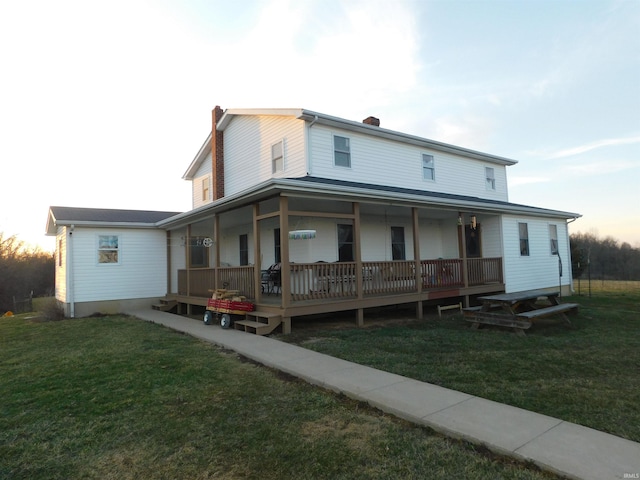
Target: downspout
[309, 144]
[72, 306]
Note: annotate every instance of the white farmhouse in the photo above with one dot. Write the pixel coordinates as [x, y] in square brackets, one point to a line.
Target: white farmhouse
[352, 215]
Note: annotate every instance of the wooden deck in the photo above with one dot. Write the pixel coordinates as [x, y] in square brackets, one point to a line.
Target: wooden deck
[316, 288]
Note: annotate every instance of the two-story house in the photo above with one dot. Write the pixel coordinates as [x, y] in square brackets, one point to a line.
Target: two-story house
[352, 215]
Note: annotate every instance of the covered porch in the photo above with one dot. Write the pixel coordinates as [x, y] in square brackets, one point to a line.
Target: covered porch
[362, 254]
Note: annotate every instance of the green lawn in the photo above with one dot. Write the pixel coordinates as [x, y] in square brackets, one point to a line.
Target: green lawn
[587, 374]
[118, 398]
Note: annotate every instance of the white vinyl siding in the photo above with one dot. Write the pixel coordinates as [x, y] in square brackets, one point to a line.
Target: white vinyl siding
[386, 162]
[140, 273]
[538, 269]
[247, 150]
[61, 267]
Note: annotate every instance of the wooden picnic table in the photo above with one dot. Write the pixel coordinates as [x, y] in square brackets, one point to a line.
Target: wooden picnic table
[518, 309]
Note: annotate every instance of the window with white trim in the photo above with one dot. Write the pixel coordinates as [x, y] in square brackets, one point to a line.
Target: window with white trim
[277, 157]
[205, 189]
[490, 178]
[341, 151]
[428, 167]
[523, 232]
[108, 249]
[553, 239]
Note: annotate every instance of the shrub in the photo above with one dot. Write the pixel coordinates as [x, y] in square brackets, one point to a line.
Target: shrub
[52, 310]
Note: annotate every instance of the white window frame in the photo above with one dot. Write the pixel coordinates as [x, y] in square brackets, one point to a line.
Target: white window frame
[343, 151]
[107, 246]
[553, 239]
[277, 157]
[206, 188]
[428, 167]
[524, 252]
[490, 178]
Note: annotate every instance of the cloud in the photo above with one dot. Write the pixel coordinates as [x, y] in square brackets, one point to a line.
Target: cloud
[611, 142]
[598, 168]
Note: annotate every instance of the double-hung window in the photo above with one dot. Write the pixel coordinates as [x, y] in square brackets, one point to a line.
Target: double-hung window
[523, 232]
[428, 167]
[108, 249]
[341, 151]
[553, 239]
[490, 178]
[205, 189]
[277, 157]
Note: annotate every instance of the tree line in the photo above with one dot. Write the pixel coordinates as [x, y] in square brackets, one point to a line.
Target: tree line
[24, 271]
[603, 259]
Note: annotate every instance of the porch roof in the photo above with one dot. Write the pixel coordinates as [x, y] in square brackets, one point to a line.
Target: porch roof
[356, 191]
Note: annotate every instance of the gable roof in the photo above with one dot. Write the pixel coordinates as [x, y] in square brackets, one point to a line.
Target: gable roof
[105, 217]
[336, 122]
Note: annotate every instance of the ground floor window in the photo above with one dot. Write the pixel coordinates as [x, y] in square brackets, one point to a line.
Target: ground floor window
[198, 257]
[108, 249]
[276, 249]
[398, 251]
[244, 249]
[523, 230]
[345, 243]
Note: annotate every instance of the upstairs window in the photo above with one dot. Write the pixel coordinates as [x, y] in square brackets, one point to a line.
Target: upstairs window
[397, 243]
[428, 167]
[490, 177]
[277, 157]
[553, 239]
[341, 151]
[108, 249]
[523, 230]
[205, 189]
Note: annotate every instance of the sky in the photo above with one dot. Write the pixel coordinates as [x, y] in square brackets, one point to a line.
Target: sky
[105, 104]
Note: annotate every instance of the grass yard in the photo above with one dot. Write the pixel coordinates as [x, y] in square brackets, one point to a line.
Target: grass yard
[118, 398]
[587, 374]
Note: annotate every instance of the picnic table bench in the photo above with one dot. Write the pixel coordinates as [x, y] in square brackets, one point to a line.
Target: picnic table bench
[517, 310]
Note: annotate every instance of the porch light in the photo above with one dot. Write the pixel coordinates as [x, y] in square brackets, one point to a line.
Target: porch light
[302, 234]
[459, 219]
[473, 223]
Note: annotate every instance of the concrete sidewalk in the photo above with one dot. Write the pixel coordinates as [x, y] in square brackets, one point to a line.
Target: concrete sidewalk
[555, 445]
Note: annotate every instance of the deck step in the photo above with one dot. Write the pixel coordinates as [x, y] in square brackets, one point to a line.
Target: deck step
[273, 320]
[165, 305]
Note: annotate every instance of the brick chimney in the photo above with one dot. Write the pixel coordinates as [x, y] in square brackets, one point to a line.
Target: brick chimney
[372, 121]
[217, 155]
